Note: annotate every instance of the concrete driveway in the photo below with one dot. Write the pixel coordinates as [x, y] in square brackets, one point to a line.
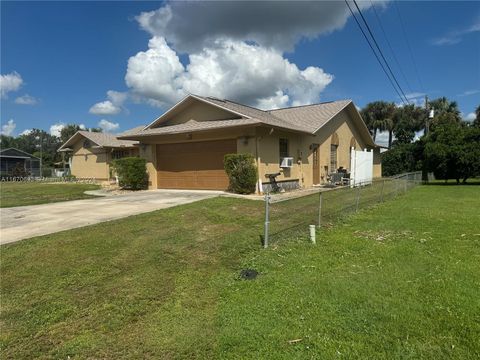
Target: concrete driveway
[24, 222]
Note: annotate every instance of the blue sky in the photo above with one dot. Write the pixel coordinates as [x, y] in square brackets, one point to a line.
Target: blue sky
[66, 56]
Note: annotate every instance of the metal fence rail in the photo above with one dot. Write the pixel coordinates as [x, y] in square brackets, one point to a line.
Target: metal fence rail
[292, 217]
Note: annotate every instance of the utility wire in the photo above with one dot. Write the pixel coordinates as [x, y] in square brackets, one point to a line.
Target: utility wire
[390, 46]
[409, 47]
[374, 52]
[380, 51]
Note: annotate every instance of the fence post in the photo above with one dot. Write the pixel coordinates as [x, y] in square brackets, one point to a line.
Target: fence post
[358, 198]
[267, 220]
[312, 234]
[320, 209]
[381, 193]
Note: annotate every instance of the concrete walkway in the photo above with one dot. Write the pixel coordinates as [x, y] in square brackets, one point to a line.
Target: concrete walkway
[24, 222]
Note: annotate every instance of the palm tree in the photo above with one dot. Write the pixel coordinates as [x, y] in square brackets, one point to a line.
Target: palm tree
[408, 120]
[444, 106]
[378, 116]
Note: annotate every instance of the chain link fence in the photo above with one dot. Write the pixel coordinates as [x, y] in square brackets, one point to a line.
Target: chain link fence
[287, 218]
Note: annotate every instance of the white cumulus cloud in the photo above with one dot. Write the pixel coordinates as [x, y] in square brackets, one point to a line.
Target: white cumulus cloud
[104, 108]
[112, 106]
[235, 70]
[470, 117]
[10, 82]
[26, 100]
[56, 129]
[108, 126]
[26, 132]
[8, 128]
[276, 101]
[232, 50]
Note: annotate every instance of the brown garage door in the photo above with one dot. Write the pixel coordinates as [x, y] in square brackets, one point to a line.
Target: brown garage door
[197, 165]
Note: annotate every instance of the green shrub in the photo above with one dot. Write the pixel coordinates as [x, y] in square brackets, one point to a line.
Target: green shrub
[402, 158]
[242, 173]
[131, 172]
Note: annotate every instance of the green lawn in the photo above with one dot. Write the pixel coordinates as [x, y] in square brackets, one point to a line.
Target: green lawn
[30, 193]
[398, 281]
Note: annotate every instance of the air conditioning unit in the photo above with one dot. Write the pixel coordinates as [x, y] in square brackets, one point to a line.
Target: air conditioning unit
[286, 162]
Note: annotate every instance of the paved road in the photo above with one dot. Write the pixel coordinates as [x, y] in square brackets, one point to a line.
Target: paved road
[24, 222]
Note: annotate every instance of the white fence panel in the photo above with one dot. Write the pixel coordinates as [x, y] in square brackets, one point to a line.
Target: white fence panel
[361, 166]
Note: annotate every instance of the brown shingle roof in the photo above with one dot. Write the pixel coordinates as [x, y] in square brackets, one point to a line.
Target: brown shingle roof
[308, 119]
[132, 131]
[101, 139]
[251, 112]
[311, 117]
[192, 125]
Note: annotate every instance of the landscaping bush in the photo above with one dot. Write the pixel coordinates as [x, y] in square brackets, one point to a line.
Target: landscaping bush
[242, 173]
[131, 172]
[402, 158]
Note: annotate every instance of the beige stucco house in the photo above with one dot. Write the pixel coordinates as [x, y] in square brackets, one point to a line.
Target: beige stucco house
[91, 153]
[185, 147]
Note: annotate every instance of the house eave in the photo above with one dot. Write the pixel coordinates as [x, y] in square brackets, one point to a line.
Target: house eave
[191, 96]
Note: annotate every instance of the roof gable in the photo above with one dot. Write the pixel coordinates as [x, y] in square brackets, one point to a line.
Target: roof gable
[99, 138]
[311, 117]
[14, 152]
[186, 102]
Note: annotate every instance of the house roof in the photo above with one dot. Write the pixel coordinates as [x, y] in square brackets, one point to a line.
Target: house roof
[193, 126]
[132, 131]
[307, 119]
[253, 113]
[311, 117]
[16, 153]
[239, 110]
[99, 138]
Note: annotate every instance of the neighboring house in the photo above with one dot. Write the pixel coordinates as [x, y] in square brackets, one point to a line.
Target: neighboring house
[185, 147]
[91, 153]
[15, 162]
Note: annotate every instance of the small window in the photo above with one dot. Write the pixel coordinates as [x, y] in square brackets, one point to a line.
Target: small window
[118, 154]
[333, 158]
[283, 145]
[87, 144]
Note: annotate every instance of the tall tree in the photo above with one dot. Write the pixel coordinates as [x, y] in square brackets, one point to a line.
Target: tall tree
[442, 105]
[6, 141]
[40, 143]
[452, 149]
[408, 120]
[378, 116]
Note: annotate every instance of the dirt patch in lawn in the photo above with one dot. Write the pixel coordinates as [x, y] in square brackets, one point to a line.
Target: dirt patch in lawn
[384, 235]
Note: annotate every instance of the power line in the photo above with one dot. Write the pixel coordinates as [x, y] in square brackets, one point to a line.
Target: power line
[380, 51]
[409, 47]
[390, 47]
[374, 52]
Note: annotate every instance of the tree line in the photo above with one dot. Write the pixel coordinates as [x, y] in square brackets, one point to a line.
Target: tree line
[42, 144]
[449, 146]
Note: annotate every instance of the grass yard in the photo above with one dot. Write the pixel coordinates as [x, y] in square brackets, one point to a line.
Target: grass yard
[30, 193]
[398, 281]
